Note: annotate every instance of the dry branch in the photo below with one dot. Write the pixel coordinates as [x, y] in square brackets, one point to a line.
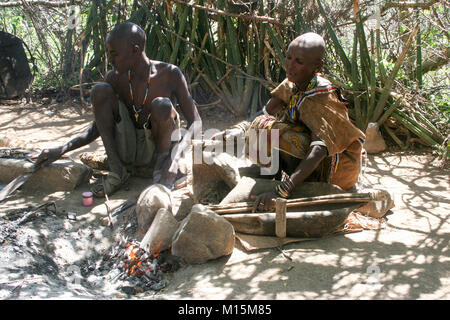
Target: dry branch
[409, 4]
[233, 15]
[33, 212]
[267, 84]
[436, 61]
[45, 3]
[400, 5]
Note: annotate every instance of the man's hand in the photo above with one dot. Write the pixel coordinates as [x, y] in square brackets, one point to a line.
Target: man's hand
[48, 156]
[265, 202]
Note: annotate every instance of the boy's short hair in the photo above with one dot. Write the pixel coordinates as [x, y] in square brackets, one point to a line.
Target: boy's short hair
[311, 41]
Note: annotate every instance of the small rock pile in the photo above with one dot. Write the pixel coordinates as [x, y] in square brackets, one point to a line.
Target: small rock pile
[201, 236]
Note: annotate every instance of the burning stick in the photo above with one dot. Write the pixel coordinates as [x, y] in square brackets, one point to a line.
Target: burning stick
[126, 205]
[113, 214]
[46, 206]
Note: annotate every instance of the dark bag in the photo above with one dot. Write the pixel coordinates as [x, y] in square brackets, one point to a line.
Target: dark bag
[15, 73]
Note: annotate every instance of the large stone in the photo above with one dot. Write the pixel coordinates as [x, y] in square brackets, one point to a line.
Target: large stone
[248, 187]
[61, 175]
[213, 175]
[203, 235]
[377, 208]
[159, 236]
[374, 142]
[148, 204]
[182, 203]
[226, 166]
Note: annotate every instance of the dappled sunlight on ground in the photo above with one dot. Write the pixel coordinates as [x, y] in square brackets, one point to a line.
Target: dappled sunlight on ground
[409, 259]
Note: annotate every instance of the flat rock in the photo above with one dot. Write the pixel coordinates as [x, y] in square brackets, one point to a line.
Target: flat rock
[159, 236]
[377, 208]
[214, 170]
[148, 204]
[203, 235]
[248, 187]
[226, 166]
[61, 175]
[182, 202]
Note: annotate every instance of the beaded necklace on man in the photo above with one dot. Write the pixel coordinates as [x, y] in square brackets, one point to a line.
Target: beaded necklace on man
[138, 111]
[293, 111]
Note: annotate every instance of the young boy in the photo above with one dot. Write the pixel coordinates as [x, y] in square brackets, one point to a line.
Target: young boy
[134, 112]
[317, 140]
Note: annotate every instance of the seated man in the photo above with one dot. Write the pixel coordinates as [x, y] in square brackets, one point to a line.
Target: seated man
[134, 113]
[317, 140]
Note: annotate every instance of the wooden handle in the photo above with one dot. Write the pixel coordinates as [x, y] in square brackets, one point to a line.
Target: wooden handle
[280, 217]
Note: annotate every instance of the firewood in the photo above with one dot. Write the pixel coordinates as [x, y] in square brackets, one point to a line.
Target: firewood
[33, 213]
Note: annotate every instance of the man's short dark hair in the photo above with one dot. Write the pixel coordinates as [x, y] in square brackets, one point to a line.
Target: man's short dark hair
[131, 32]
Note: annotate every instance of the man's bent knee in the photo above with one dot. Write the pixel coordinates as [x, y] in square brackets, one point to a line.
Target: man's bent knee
[161, 109]
[101, 92]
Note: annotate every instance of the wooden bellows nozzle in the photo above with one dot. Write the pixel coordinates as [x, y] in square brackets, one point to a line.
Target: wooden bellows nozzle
[280, 217]
[242, 207]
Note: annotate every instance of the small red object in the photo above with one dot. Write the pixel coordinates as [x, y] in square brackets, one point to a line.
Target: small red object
[88, 199]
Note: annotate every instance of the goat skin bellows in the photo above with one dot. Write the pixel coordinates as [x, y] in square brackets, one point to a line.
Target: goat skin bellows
[313, 222]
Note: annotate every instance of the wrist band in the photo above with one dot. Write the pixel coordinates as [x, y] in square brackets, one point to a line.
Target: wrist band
[241, 125]
[279, 191]
[265, 111]
[285, 188]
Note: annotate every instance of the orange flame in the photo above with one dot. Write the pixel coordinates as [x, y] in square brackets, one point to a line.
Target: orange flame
[134, 265]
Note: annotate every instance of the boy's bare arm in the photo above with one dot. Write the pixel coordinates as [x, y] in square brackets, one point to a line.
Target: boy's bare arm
[312, 160]
[266, 201]
[272, 107]
[180, 90]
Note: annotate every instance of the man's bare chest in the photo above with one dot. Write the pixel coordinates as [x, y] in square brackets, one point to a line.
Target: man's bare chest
[139, 94]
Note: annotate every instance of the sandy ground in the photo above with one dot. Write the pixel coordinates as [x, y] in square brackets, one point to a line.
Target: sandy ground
[409, 259]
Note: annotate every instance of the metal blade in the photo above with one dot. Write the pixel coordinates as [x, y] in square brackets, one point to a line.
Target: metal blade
[14, 185]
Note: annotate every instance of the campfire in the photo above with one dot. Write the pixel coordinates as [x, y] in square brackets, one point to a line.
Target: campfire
[139, 263]
[128, 262]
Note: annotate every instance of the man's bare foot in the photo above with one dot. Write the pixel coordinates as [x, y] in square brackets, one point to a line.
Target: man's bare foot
[109, 184]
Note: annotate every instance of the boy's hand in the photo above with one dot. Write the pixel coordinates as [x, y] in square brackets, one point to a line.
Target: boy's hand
[265, 202]
[226, 134]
